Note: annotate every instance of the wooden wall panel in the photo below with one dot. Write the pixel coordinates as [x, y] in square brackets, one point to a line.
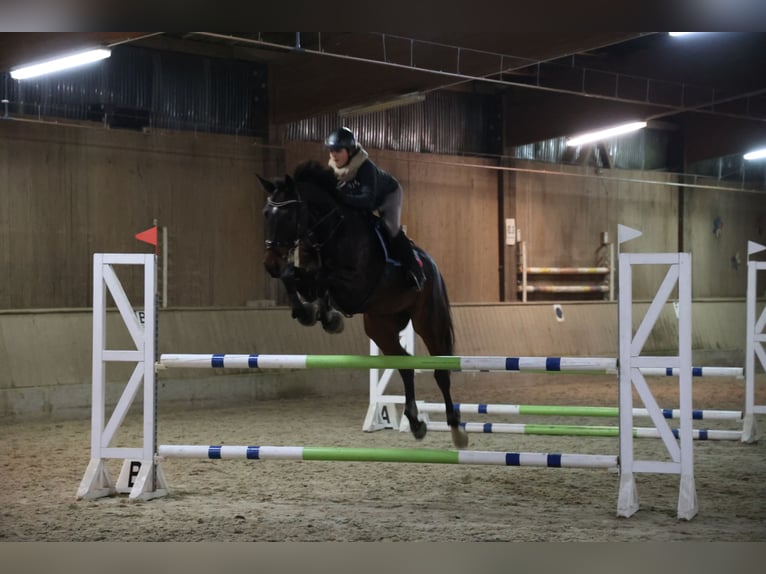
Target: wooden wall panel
[67, 192]
[71, 191]
[562, 216]
[719, 248]
[652, 209]
[452, 213]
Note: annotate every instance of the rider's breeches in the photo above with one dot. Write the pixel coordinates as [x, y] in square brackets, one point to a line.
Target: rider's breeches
[391, 211]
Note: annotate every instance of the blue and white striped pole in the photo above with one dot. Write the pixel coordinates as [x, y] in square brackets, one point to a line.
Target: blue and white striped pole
[583, 365]
[574, 411]
[400, 455]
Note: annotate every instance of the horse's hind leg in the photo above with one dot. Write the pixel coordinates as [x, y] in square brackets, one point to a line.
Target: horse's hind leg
[417, 426]
[432, 321]
[459, 434]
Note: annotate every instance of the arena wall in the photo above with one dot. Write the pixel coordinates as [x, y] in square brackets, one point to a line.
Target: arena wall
[68, 191]
[45, 356]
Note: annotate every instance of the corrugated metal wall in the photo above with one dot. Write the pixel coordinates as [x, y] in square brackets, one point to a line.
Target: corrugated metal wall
[137, 88]
[732, 168]
[649, 149]
[644, 150]
[451, 123]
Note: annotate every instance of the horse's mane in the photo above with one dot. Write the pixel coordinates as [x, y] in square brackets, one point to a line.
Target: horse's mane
[313, 172]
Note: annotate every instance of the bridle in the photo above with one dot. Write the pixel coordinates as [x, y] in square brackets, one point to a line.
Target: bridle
[273, 244]
[310, 234]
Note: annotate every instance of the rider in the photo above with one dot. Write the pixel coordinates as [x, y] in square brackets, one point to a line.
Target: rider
[366, 186]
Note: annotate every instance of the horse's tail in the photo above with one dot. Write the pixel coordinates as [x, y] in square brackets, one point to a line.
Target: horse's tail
[442, 315]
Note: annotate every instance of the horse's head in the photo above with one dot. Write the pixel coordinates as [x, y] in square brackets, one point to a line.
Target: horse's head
[300, 210]
[282, 214]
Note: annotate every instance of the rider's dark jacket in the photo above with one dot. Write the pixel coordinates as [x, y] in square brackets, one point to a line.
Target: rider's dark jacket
[363, 184]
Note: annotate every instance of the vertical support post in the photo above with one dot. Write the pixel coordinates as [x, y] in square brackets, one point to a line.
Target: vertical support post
[149, 482]
[97, 482]
[164, 267]
[627, 502]
[524, 271]
[611, 271]
[687, 496]
[98, 366]
[754, 338]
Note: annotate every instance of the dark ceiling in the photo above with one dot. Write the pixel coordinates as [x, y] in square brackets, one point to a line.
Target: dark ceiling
[711, 86]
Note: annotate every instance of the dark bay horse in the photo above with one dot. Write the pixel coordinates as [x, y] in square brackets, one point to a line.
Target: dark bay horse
[330, 256]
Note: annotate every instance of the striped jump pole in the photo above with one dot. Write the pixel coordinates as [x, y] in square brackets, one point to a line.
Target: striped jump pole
[578, 430]
[574, 411]
[565, 288]
[567, 270]
[583, 365]
[543, 364]
[737, 372]
[394, 455]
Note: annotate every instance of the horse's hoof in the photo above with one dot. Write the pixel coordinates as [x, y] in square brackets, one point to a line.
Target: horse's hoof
[307, 321]
[306, 315]
[419, 431]
[459, 437]
[334, 324]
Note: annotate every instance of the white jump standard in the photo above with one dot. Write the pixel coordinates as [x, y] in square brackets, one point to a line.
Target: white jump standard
[755, 338]
[140, 476]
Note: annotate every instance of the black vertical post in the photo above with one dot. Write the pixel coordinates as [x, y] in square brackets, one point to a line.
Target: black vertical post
[502, 259]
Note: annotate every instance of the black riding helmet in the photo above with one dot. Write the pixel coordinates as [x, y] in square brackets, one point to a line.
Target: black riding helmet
[341, 138]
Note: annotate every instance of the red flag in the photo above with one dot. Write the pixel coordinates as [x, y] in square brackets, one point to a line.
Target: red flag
[148, 236]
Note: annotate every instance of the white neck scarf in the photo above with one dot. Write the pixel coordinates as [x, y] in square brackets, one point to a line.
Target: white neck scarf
[348, 171]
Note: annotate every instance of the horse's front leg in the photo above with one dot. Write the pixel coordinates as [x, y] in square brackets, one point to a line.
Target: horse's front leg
[332, 320]
[304, 311]
[459, 434]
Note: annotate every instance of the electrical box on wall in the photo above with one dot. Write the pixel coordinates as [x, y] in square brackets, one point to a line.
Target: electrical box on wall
[510, 231]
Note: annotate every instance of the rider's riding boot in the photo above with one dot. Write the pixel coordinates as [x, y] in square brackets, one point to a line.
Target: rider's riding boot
[404, 252]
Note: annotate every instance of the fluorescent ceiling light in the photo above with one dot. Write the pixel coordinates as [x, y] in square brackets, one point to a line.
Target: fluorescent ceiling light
[606, 133]
[60, 64]
[404, 100]
[680, 33]
[757, 154]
